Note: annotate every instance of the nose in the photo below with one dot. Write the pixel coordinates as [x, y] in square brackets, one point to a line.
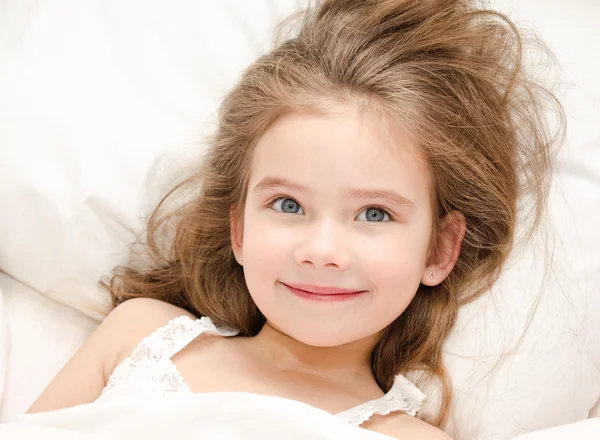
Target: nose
[324, 245]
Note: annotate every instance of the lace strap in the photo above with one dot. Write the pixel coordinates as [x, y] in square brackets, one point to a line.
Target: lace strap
[166, 341]
[403, 396]
[162, 344]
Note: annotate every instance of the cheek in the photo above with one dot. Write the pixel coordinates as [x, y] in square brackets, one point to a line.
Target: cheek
[265, 246]
[395, 264]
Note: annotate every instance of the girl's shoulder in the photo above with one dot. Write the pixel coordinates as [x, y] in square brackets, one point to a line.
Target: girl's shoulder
[135, 319]
[85, 375]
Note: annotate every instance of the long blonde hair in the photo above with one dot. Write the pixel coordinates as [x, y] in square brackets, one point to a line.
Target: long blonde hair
[450, 73]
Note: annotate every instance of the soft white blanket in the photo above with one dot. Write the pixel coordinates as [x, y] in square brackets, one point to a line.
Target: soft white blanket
[217, 416]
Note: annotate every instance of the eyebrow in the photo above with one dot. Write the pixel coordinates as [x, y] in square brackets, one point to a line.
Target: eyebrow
[276, 182]
[389, 196]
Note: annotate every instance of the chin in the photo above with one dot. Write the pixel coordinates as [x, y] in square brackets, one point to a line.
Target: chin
[320, 336]
[320, 341]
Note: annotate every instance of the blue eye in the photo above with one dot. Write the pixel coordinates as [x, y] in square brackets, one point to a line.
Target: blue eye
[287, 205]
[373, 215]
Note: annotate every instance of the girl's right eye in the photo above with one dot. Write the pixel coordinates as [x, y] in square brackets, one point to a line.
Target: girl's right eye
[287, 205]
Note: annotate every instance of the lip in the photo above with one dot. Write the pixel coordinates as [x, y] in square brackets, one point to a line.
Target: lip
[323, 293]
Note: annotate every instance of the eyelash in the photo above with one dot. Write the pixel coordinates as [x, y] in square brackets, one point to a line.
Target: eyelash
[391, 217]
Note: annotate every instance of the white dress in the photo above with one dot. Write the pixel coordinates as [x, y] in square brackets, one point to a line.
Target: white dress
[149, 371]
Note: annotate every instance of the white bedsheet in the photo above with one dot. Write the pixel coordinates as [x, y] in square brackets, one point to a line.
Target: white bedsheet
[41, 335]
[218, 416]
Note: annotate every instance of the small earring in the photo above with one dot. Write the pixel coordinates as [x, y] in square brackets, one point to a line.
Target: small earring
[431, 276]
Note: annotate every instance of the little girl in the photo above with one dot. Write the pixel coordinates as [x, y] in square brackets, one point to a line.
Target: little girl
[361, 186]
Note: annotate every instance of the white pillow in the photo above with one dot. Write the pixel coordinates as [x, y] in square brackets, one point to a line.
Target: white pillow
[94, 100]
[101, 100]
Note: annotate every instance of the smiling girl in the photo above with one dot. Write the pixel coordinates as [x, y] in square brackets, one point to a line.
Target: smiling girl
[362, 185]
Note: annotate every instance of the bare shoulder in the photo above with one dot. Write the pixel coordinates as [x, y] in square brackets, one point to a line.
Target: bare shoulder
[85, 375]
[141, 311]
[404, 427]
[136, 318]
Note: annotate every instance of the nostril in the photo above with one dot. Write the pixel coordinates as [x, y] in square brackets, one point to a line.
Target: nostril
[323, 251]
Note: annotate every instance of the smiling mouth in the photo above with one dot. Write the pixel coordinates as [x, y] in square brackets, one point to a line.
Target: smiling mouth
[323, 294]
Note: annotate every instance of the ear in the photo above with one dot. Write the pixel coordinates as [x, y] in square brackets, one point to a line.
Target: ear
[443, 259]
[236, 222]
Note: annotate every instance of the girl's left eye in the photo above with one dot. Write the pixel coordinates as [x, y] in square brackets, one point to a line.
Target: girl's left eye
[374, 215]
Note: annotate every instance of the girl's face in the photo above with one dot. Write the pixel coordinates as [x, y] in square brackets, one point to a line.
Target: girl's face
[336, 227]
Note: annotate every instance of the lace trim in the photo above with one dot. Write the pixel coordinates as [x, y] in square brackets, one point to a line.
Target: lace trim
[403, 396]
[150, 363]
[152, 356]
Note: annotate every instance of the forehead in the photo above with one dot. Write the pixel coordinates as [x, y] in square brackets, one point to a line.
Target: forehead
[346, 148]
